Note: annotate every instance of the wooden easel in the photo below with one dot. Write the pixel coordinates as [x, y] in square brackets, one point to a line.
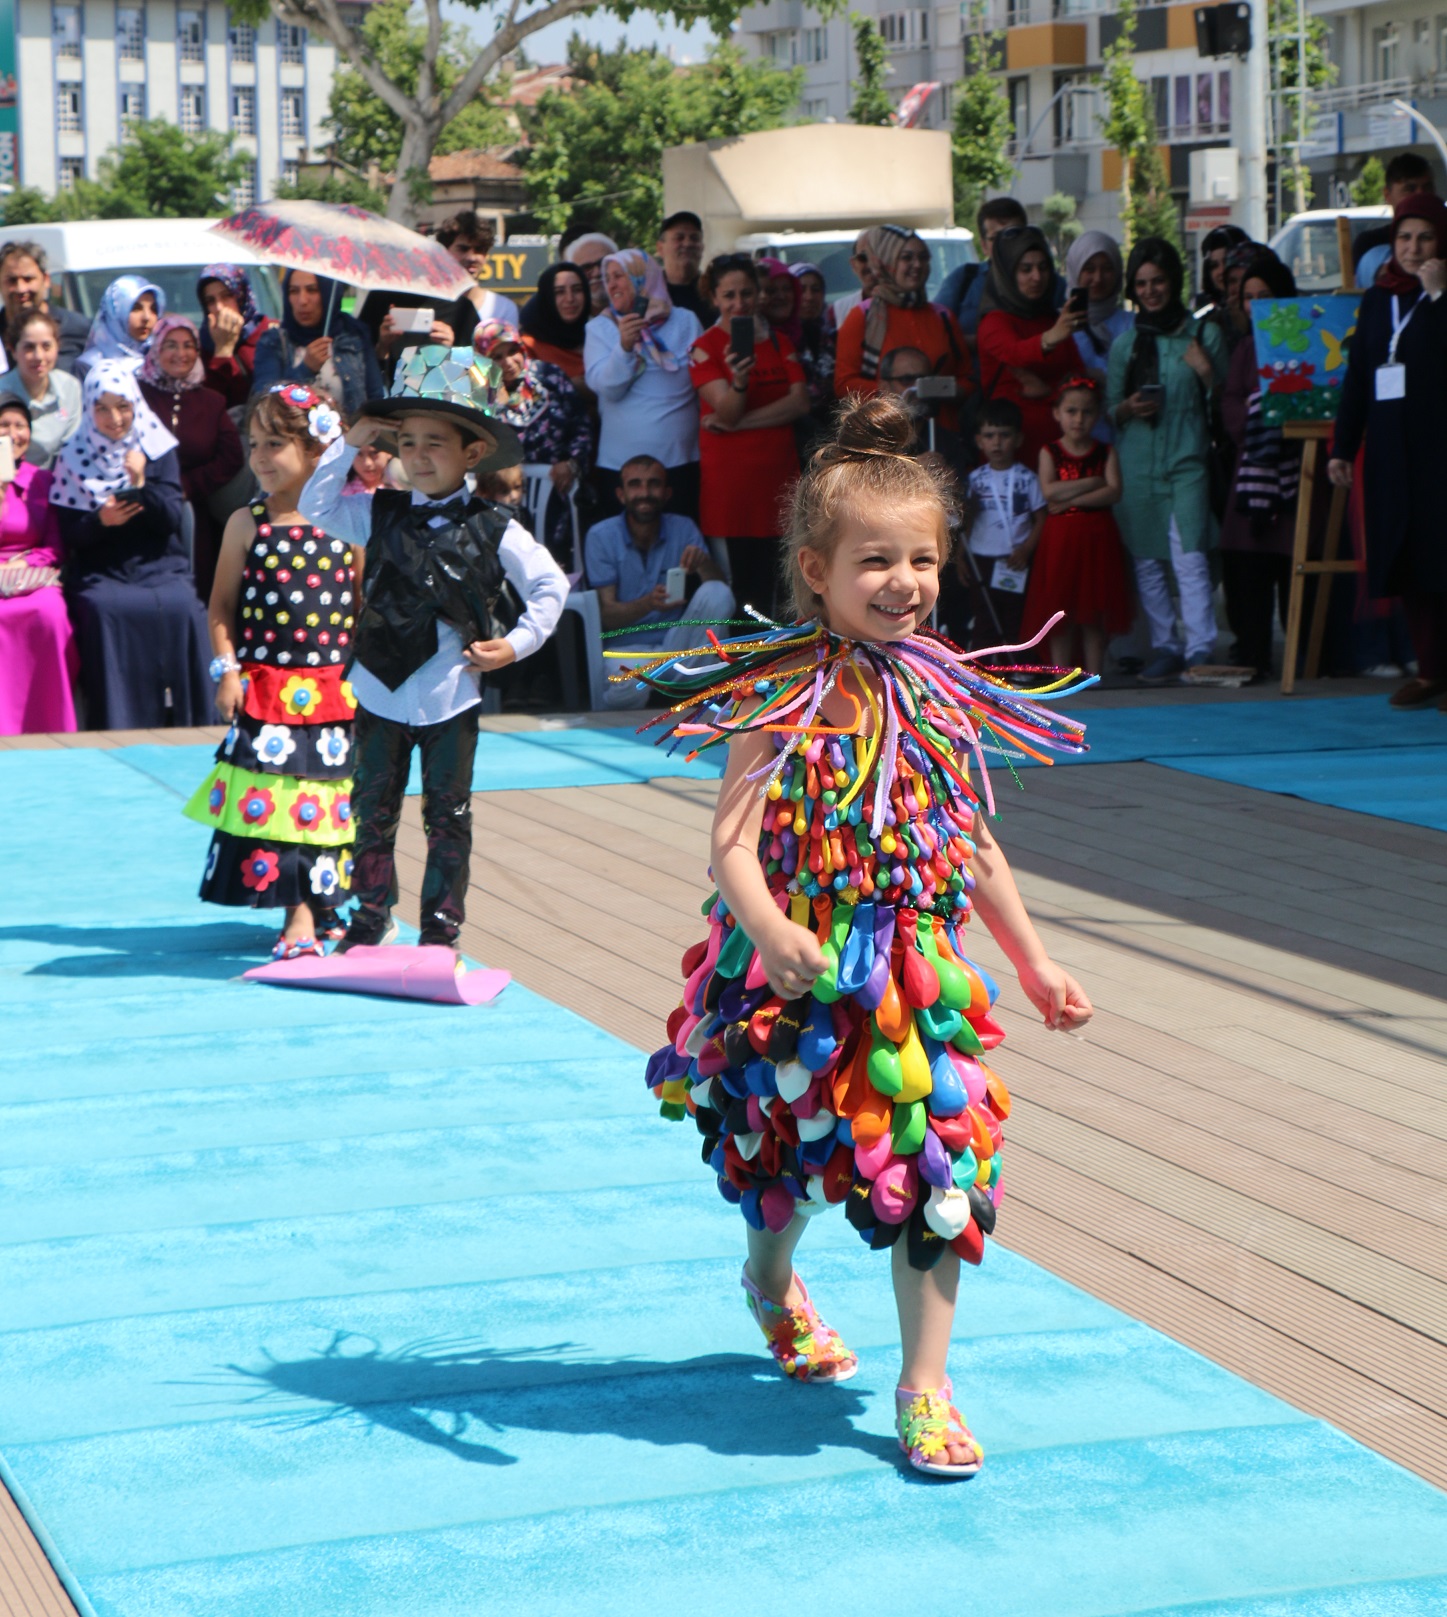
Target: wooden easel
[1312, 434]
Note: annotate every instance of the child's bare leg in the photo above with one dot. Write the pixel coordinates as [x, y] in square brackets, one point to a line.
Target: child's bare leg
[925, 1299]
[771, 1262]
[1093, 649]
[300, 923]
[1061, 645]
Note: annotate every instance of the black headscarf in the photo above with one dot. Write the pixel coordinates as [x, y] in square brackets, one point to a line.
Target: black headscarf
[540, 317]
[1227, 236]
[331, 300]
[1001, 290]
[1144, 369]
[1264, 265]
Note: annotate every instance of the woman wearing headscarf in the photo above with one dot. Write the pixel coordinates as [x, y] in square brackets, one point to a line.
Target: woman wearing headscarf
[816, 351]
[1216, 245]
[1258, 528]
[208, 447]
[1394, 396]
[635, 358]
[543, 408]
[1161, 378]
[1027, 346]
[554, 320]
[898, 314]
[1226, 312]
[1093, 263]
[116, 489]
[234, 323]
[129, 309]
[317, 343]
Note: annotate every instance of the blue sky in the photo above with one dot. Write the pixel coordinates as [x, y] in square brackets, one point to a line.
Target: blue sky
[550, 44]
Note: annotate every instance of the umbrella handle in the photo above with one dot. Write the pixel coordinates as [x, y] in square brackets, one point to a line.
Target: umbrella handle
[331, 304]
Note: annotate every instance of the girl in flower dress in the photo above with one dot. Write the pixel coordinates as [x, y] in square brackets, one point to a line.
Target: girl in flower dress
[831, 1040]
[279, 796]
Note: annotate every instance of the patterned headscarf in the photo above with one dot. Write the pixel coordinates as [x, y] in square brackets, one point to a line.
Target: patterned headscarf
[523, 395]
[110, 335]
[646, 274]
[238, 284]
[884, 244]
[91, 467]
[151, 365]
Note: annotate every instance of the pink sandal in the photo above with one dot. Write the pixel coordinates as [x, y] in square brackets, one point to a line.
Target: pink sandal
[293, 950]
[928, 1424]
[803, 1346]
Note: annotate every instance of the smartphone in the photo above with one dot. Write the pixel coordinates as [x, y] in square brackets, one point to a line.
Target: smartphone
[741, 336]
[640, 305]
[1152, 393]
[1078, 301]
[413, 320]
[937, 387]
[676, 583]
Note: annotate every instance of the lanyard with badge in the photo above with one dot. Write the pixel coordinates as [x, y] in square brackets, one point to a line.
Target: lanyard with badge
[1002, 575]
[1392, 375]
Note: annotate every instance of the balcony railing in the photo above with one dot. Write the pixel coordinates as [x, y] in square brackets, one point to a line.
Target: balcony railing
[1346, 97]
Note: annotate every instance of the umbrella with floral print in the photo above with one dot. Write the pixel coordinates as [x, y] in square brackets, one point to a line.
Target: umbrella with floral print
[349, 245]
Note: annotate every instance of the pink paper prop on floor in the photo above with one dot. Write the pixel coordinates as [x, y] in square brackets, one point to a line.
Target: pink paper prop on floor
[399, 971]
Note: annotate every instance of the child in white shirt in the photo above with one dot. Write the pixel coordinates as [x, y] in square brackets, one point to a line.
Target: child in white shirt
[1005, 512]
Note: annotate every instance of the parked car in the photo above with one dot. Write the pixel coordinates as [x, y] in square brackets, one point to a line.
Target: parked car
[86, 255]
[1307, 243]
[830, 250]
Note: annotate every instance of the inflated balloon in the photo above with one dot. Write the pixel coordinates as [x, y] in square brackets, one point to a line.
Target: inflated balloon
[869, 1090]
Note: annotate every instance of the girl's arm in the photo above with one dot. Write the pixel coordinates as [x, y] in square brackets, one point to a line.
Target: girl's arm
[1063, 492]
[793, 405]
[790, 954]
[1052, 991]
[225, 599]
[1100, 493]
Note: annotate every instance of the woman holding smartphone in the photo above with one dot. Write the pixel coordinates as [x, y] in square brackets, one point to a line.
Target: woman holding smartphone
[1161, 378]
[751, 390]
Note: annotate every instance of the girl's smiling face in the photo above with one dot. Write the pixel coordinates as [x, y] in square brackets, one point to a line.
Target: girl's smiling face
[882, 578]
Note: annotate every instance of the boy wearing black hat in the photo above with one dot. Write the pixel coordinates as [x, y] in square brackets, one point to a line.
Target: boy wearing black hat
[454, 590]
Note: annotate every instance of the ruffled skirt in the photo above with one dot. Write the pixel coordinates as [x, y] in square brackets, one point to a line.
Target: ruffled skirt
[871, 1091]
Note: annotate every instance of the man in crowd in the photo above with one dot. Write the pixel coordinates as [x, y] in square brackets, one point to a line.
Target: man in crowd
[963, 287]
[469, 237]
[25, 285]
[628, 558]
[680, 248]
[901, 371]
[1407, 173]
[586, 252]
[859, 262]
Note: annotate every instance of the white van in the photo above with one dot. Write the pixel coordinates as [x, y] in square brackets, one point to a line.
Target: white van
[85, 256]
[830, 250]
[1307, 243]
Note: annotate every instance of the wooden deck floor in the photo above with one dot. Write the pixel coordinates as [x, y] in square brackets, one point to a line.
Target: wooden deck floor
[1246, 1150]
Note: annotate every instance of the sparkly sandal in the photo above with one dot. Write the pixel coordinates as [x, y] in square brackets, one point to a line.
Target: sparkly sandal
[331, 928]
[295, 948]
[928, 1423]
[803, 1346]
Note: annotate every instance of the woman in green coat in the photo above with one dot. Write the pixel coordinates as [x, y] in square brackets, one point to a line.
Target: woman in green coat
[1158, 390]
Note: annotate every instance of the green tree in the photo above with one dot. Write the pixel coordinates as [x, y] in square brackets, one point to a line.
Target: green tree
[1059, 223]
[982, 125]
[364, 128]
[421, 107]
[1286, 20]
[155, 173]
[1370, 186]
[871, 103]
[596, 152]
[1147, 207]
[27, 206]
[334, 188]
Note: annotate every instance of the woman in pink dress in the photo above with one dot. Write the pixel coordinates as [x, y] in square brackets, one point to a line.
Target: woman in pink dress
[38, 661]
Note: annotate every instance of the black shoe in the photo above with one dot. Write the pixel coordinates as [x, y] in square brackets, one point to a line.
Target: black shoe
[368, 931]
[435, 939]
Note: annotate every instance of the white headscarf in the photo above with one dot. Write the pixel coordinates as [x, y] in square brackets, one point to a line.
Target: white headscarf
[1080, 253]
[110, 332]
[91, 467]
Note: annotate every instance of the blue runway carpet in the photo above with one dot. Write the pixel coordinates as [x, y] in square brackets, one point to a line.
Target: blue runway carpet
[313, 1305]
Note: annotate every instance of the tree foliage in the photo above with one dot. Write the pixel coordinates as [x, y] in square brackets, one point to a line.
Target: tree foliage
[334, 188]
[1147, 207]
[871, 104]
[1058, 222]
[1369, 187]
[982, 126]
[364, 128]
[596, 154]
[1286, 22]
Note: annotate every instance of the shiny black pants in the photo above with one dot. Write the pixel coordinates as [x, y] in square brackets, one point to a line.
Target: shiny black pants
[383, 758]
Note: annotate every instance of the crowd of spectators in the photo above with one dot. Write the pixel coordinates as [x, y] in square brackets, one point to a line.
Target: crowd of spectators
[1104, 428]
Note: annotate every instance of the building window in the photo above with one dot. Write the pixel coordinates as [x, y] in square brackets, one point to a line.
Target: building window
[131, 34]
[293, 115]
[1442, 44]
[814, 45]
[782, 47]
[292, 43]
[243, 110]
[1387, 43]
[1223, 103]
[192, 109]
[243, 193]
[816, 111]
[191, 35]
[241, 42]
[69, 114]
[133, 104]
[65, 30]
[1019, 91]
[1161, 104]
[1181, 111]
[904, 28]
[290, 172]
[71, 170]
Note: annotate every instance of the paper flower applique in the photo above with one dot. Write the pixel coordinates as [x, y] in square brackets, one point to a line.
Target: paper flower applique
[216, 798]
[341, 810]
[326, 881]
[334, 744]
[324, 423]
[274, 743]
[260, 869]
[306, 811]
[257, 806]
[299, 695]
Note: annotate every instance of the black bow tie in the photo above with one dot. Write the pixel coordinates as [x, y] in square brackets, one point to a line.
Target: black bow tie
[451, 510]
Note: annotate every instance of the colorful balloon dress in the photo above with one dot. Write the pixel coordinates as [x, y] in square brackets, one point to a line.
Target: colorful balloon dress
[280, 795]
[873, 1090]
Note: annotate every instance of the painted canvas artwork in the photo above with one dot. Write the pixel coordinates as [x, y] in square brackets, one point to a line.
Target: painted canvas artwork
[1301, 354]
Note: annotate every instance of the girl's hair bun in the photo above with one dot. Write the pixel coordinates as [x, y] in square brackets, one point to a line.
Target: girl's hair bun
[872, 426]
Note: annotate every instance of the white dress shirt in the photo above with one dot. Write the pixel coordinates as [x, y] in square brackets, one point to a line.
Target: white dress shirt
[445, 684]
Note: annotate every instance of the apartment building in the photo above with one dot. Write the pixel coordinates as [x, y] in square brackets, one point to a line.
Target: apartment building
[83, 68]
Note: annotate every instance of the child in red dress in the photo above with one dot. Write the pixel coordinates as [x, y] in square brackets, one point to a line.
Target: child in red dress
[1079, 565]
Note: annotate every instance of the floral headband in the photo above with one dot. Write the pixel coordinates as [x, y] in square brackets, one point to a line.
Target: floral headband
[1076, 384]
[323, 419]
